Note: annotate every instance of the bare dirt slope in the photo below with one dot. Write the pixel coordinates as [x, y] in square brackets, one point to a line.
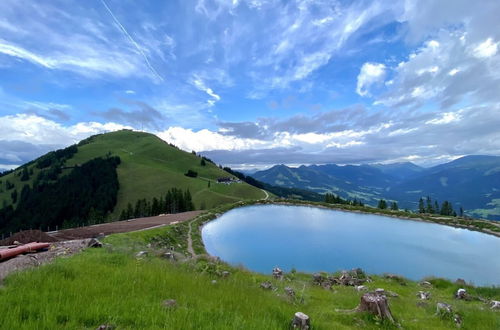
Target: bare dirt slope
[122, 226]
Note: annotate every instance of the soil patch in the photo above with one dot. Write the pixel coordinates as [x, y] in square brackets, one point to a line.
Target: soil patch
[122, 226]
[28, 236]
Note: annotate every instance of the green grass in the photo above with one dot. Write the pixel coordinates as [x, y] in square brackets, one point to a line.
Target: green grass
[111, 286]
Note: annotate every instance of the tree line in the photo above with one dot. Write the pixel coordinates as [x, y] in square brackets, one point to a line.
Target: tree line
[335, 199]
[428, 206]
[88, 190]
[174, 201]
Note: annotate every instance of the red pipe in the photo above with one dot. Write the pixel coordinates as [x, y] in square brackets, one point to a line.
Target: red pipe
[30, 247]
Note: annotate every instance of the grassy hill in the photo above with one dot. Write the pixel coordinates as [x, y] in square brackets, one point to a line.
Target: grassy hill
[149, 168]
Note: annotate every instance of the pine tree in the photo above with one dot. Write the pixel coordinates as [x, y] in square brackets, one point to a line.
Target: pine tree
[382, 204]
[429, 208]
[394, 206]
[421, 206]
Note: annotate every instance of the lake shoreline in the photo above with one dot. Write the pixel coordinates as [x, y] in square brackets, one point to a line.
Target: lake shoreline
[341, 207]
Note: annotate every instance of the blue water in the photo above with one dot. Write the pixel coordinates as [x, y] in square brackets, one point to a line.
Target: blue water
[313, 239]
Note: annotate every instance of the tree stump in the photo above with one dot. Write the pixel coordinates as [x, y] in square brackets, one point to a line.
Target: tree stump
[301, 321]
[277, 273]
[376, 304]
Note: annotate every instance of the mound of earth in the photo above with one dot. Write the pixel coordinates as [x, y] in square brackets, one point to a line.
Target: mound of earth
[28, 236]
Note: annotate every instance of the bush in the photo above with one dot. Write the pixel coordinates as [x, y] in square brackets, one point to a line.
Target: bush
[191, 174]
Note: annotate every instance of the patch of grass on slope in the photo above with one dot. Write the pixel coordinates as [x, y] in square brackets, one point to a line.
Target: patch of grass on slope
[150, 167]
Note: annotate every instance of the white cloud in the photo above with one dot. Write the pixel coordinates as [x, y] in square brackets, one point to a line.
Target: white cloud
[370, 74]
[486, 49]
[445, 118]
[38, 130]
[200, 84]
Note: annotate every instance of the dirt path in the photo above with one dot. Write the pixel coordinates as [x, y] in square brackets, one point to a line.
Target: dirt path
[122, 226]
[190, 241]
[267, 195]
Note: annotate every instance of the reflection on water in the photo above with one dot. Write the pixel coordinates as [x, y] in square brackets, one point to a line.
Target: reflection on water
[313, 239]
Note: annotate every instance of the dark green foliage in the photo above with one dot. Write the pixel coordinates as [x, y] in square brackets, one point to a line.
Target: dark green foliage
[25, 176]
[8, 185]
[202, 162]
[421, 205]
[447, 209]
[13, 195]
[175, 201]
[429, 208]
[334, 199]
[5, 172]
[394, 206]
[88, 190]
[382, 204]
[56, 157]
[191, 174]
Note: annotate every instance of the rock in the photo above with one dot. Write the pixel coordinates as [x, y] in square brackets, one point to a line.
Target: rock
[169, 303]
[376, 304]
[169, 256]
[457, 319]
[266, 285]
[225, 274]
[318, 279]
[290, 292]
[379, 291]
[301, 321]
[400, 279]
[461, 294]
[17, 243]
[495, 304]
[94, 243]
[426, 284]
[277, 273]
[461, 282]
[100, 235]
[105, 327]
[360, 288]
[214, 282]
[141, 254]
[424, 295]
[443, 309]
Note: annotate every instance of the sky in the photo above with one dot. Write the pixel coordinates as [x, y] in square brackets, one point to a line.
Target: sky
[254, 83]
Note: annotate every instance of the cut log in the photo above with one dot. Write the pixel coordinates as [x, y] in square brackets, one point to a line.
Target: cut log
[301, 321]
[376, 304]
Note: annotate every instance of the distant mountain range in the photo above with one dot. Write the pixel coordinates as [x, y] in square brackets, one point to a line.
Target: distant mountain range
[471, 182]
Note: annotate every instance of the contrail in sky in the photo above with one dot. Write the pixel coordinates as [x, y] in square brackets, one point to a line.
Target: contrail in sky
[122, 28]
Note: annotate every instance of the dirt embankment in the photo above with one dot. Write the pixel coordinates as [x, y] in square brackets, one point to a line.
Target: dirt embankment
[122, 226]
[70, 241]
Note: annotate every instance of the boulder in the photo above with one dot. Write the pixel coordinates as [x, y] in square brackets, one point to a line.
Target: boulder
[426, 284]
[424, 295]
[225, 274]
[141, 254]
[301, 321]
[360, 288]
[461, 294]
[290, 292]
[461, 281]
[266, 285]
[443, 309]
[105, 327]
[94, 243]
[318, 279]
[169, 303]
[495, 304]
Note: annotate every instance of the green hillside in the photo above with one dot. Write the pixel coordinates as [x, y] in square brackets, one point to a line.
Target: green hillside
[149, 168]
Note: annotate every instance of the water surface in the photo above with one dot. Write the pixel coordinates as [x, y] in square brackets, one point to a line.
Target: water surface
[312, 239]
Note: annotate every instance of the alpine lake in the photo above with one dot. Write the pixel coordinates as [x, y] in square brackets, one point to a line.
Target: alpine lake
[311, 239]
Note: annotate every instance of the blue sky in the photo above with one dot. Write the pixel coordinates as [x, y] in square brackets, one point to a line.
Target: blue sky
[254, 83]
